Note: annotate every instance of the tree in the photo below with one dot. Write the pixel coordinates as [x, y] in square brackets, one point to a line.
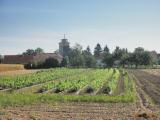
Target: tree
[147, 59]
[159, 62]
[76, 58]
[137, 55]
[117, 53]
[39, 50]
[51, 63]
[29, 52]
[33, 52]
[88, 50]
[154, 56]
[97, 50]
[108, 60]
[131, 59]
[106, 50]
[65, 61]
[124, 59]
[141, 57]
[89, 59]
[78, 47]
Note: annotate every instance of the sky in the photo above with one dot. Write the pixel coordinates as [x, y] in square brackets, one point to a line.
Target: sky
[30, 24]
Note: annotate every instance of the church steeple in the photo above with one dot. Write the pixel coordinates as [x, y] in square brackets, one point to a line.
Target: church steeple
[64, 46]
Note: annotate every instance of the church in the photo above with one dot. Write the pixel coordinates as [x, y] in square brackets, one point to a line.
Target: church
[64, 47]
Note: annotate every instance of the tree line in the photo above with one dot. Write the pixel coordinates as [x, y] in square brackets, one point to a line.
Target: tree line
[101, 57]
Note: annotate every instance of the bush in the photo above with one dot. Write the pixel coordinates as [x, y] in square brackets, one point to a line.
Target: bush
[51, 63]
[48, 63]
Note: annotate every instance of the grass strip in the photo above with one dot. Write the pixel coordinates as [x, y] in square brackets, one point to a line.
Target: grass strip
[28, 99]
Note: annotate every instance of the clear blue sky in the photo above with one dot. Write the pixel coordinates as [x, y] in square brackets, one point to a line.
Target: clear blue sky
[41, 23]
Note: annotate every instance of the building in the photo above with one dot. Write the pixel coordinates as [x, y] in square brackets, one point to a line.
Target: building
[25, 59]
[64, 47]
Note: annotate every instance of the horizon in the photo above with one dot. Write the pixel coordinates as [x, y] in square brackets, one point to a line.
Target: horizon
[127, 24]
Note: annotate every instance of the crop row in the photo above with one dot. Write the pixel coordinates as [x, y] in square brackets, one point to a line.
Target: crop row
[90, 77]
[21, 81]
[92, 80]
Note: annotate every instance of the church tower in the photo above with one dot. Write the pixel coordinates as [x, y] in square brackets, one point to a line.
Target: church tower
[64, 47]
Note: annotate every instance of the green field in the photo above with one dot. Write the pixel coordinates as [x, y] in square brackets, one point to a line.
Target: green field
[67, 85]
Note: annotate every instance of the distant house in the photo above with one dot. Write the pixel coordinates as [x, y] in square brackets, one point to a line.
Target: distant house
[25, 59]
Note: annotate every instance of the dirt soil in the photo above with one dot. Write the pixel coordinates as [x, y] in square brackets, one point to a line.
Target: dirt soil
[73, 111]
[153, 71]
[150, 84]
[148, 90]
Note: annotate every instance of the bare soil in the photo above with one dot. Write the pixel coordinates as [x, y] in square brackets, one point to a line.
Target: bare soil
[148, 91]
[153, 71]
[150, 84]
[120, 86]
[74, 111]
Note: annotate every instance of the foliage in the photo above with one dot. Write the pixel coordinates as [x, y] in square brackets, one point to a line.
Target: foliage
[38, 50]
[17, 82]
[76, 58]
[108, 60]
[141, 57]
[89, 60]
[65, 61]
[97, 50]
[29, 52]
[50, 63]
[33, 52]
[106, 50]
[159, 61]
[73, 78]
[114, 80]
[93, 78]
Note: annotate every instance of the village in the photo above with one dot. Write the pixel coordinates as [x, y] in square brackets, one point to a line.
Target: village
[83, 58]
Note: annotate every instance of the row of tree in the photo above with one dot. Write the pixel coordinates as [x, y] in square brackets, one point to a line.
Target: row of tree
[120, 57]
[101, 57]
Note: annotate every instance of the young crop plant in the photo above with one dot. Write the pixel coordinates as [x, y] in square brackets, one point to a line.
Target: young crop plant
[16, 82]
[73, 82]
[112, 84]
[102, 78]
[70, 82]
[129, 88]
[92, 78]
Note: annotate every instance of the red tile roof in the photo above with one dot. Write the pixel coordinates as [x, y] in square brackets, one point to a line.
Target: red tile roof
[24, 59]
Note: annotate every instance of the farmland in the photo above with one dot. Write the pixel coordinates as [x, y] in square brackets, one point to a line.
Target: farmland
[98, 92]
[11, 67]
[72, 84]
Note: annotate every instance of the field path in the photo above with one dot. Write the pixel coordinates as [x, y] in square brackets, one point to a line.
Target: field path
[120, 86]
